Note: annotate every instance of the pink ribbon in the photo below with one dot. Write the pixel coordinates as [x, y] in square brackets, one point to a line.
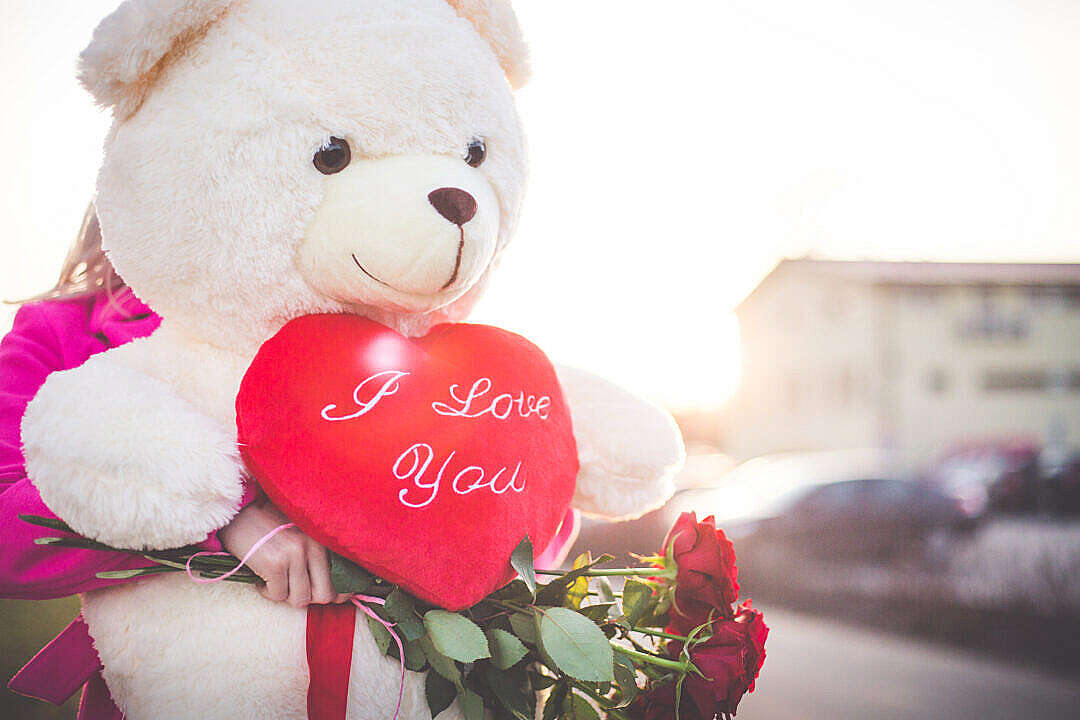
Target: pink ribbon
[243, 561]
[357, 600]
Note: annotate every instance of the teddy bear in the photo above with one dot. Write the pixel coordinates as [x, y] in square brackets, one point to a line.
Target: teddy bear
[271, 159]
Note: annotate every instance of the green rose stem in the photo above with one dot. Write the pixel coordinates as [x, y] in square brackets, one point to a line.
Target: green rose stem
[659, 634]
[616, 572]
[680, 667]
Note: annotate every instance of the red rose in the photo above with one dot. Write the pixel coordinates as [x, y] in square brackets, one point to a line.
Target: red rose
[657, 704]
[706, 579]
[730, 660]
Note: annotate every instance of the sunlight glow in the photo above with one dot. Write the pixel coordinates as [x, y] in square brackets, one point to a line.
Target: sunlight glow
[679, 150]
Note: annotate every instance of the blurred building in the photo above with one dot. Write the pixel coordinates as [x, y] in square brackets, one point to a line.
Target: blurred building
[911, 357]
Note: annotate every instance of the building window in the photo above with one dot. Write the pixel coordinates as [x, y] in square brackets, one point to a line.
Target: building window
[1017, 380]
[924, 295]
[938, 381]
[987, 321]
[994, 329]
[1055, 296]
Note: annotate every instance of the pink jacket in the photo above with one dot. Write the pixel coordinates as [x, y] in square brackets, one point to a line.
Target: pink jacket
[48, 337]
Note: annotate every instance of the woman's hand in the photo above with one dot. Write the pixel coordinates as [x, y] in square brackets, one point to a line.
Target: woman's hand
[294, 568]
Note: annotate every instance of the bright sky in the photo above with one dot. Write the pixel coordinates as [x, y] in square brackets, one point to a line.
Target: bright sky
[679, 150]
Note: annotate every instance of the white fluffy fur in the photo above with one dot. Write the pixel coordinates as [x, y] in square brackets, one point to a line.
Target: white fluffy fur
[162, 474]
[629, 449]
[208, 200]
[496, 21]
[129, 46]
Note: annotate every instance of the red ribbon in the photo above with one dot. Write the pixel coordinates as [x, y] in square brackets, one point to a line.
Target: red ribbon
[329, 653]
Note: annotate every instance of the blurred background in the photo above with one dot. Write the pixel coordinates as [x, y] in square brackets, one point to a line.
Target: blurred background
[840, 240]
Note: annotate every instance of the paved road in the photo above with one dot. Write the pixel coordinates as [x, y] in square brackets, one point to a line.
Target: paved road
[820, 670]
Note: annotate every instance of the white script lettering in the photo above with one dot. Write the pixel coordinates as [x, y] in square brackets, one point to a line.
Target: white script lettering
[380, 385]
[415, 461]
[499, 407]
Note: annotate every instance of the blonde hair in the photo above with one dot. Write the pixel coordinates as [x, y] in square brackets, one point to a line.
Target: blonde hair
[86, 270]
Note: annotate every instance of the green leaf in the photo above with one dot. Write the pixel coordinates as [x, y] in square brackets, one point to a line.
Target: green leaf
[402, 611]
[597, 613]
[516, 592]
[137, 572]
[525, 627]
[439, 692]
[348, 577]
[555, 700]
[456, 636]
[522, 561]
[637, 600]
[541, 682]
[576, 645]
[79, 543]
[578, 590]
[472, 705]
[506, 650]
[439, 662]
[607, 593]
[626, 679]
[553, 593]
[509, 694]
[575, 707]
[380, 635]
[655, 620]
[51, 523]
[415, 659]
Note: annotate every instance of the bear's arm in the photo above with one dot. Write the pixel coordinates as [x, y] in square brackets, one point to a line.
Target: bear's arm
[122, 459]
[629, 449]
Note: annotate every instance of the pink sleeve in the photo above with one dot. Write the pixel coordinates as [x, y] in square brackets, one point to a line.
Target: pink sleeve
[31, 351]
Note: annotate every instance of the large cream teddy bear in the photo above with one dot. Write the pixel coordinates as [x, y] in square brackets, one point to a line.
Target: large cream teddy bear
[271, 159]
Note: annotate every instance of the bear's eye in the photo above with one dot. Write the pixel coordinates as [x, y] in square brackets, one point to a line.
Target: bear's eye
[334, 157]
[476, 153]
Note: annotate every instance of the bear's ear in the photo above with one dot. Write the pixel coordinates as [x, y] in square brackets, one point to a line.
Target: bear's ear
[496, 22]
[131, 46]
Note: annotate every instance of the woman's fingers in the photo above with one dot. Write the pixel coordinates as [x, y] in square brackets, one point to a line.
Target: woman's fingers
[295, 569]
[299, 580]
[322, 586]
[274, 570]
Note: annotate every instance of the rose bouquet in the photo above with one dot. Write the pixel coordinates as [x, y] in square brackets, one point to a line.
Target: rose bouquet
[669, 643]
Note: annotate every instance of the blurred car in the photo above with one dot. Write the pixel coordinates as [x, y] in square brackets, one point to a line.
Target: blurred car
[848, 503]
[870, 518]
[1059, 484]
[1008, 470]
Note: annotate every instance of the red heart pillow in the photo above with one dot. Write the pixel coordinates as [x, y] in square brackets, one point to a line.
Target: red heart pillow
[424, 460]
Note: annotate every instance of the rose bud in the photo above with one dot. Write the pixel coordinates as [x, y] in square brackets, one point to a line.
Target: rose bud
[706, 581]
[730, 661]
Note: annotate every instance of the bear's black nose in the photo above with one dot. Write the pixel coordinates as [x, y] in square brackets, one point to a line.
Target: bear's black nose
[457, 206]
